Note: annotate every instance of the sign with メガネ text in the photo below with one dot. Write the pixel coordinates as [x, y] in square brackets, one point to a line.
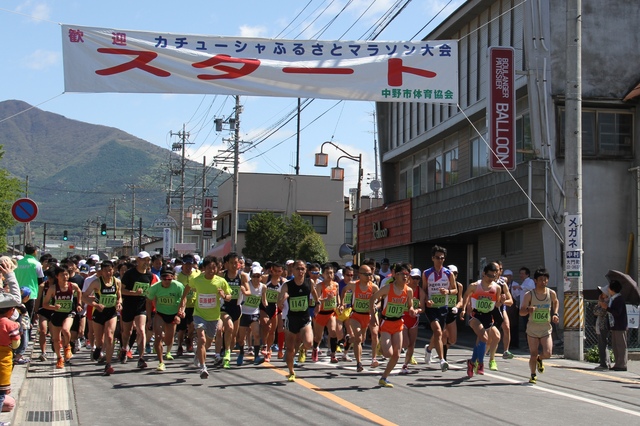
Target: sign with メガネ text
[100, 60]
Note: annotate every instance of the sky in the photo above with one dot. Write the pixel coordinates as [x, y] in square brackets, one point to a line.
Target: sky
[32, 71]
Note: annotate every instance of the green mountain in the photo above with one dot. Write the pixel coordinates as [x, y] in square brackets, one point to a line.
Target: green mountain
[78, 173]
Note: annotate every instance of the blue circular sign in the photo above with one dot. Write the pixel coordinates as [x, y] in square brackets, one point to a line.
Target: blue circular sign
[24, 210]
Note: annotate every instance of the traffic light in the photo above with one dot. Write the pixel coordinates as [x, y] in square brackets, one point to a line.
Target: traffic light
[65, 236]
[103, 229]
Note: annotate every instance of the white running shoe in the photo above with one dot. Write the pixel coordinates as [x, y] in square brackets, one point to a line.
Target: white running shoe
[444, 365]
[204, 374]
[427, 354]
[196, 362]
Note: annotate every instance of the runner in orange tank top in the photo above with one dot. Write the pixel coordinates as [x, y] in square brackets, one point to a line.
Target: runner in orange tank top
[398, 299]
[325, 312]
[360, 318]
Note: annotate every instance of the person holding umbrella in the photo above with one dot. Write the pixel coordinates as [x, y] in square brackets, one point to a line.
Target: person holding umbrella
[617, 313]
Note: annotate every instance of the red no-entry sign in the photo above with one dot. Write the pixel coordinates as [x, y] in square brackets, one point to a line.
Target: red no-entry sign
[24, 210]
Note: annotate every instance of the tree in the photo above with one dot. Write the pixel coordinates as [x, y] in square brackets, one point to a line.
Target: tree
[312, 249]
[272, 237]
[266, 233]
[10, 189]
[297, 229]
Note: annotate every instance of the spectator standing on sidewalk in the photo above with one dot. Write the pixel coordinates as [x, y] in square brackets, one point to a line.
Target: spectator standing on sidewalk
[617, 310]
[9, 330]
[602, 330]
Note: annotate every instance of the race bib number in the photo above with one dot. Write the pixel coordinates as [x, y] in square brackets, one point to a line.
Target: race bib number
[272, 296]
[235, 292]
[65, 305]
[252, 301]
[438, 300]
[416, 303]
[540, 316]
[298, 304]
[348, 297]
[166, 300]
[108, 300]
[453, 301]
[330, 303]
[143, 286]
[207, 301]
[485, 305]
[394, 310]
[361, 305]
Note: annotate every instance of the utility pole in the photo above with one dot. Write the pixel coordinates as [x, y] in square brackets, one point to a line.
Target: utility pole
[236, 164]
[204, 194]
[573, 297]
[133, 213]
[115, 215]
[184, 135]
[298, 142]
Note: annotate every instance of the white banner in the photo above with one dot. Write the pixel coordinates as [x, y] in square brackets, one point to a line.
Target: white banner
[100, 60]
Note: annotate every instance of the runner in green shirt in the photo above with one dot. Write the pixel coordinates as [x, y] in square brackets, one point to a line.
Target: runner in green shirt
[167, 296]
[211, 291]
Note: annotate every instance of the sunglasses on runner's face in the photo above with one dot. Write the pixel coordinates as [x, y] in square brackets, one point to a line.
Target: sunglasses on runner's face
[314, 272]
[438, 257]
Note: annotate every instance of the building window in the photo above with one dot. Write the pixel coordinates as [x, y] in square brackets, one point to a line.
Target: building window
[348, 231]
[512, 242]
[605, 133]
[223, 227]
[479, 157]
[524, 147]
[451, 167]
[318, 222]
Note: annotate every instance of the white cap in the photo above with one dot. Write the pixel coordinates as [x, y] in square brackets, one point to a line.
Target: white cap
[339, 274]
[256, 270]
[256, 264]
[143, 255]
[196, 258]
[452, 268]
[415, 272]
[289, 262]
[95, 257]
[507, 272]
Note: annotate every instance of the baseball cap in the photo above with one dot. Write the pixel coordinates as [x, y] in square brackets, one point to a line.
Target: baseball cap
[289, 262]
[95, 257]
[415, 272]
[26, 291]
[84, 268]
[452, 268]
[188, 258]
[143, 255]
[507, 272]
[385, 261]
[256, 270]
[196, 258]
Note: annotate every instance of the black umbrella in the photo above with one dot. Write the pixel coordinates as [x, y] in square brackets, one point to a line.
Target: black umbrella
[629, 286]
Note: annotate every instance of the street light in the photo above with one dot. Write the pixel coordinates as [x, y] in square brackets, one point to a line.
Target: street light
[337, 173]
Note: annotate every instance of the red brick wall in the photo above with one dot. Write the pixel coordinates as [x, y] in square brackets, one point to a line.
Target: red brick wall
[395, 218]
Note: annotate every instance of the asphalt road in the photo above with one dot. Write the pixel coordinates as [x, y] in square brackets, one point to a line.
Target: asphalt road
[568, 392]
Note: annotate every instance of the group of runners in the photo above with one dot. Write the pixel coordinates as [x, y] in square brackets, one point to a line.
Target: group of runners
[284, 311]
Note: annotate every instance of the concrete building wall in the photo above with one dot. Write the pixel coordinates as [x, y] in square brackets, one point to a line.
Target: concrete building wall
[288, 194]
[610, 55]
